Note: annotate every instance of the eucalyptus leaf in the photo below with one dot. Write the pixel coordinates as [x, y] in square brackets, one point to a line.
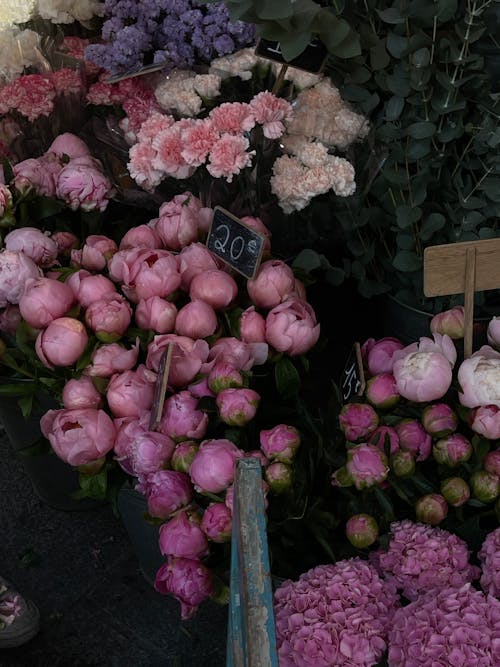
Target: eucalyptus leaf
[394, 107]
[277, 9]
[391, 15]
[397, 45]
[407, 261]
[406, 216]
[379, 58]
[421, 130]
[432, 223]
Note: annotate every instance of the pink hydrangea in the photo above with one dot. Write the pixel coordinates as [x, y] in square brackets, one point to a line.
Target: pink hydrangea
[451, 627]
[422, 558]
[229, 156]
[334, 615]
[270, 112]
[489, 556]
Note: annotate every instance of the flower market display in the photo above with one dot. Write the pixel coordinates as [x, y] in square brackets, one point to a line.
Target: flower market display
[126, 129]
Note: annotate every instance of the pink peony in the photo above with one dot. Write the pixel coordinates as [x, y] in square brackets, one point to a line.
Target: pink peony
[439, 420]
[79, 436]
[66, 242]
[166, 491]
[491, 462]
[238, 354]
[361, 530]
[130, 393]
[197, 319]
[95, 253]
[128, 431]
[366, 465]
[187, 357]
[212, 469]
[358, 421]
[112, 358]
[182, 536]
[422, 376]
[90, 288]
[489, 556]
[81, 393]
[273, 284]
[150, 451]
[181, 419]
[189, 581]
[455, 491]
[82, 184]
[291, 327]
[385, 436]
[485, 420]
[334, 615]
[420, 559]
[36, 175]
[252, 326]
[478, 377]
[237, 406]
[379, 354]
[70, 145]
[280, 443]
[157, 314]
[493, 332]
[33, 243]
[217, 522]
[224, 376]
[229, 156]
[485, 485]
[452, 450]
[450, 322]
[109, 317]
[217, 288]
[177, 223]
[414, 438]
[44, 300]
[62, 342]
[431, 508]
[144, 272]
[142, 236]
[16, 269]
[279, 476]
[381, 391]
[193, 259]
[183, 455]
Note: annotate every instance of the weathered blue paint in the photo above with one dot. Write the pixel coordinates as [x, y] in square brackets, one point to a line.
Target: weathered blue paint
[251, 638]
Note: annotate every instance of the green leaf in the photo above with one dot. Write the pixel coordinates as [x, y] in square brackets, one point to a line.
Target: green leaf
[350, 47]
[421, 130]
[17, 389]
[421, 57]
[308, 260]
[446, 9]
[40, 448]
[26, 405]
[94, 486]
[399, 84]
[286, 377]
[432, 224]
[277, 9]
[332, 30]
[294, 45]
[407, 261]
[379, 58]
[45, 207]
[385, 504]
[396, 45]
[394, 107]
[406, 216]
[391, 15]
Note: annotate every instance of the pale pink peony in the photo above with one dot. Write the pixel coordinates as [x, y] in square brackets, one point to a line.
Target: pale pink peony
[95, 253]
[271, 112]
[291, 327]
[217, 288]
[145, 272]
[273, 284]
[183, 536]
[62, 342]
[70, 145]
[187, 357]
[279, 476]
[81, 393]
[130, 393]
[213, 466]
[112, 358]
[193, 259]
[157, 314]
[79, 436]
[181, 419]
[189, 581]
[33, 243]
[197, 319]
[229, 155]
[38, 175]
[82, 184]
[44, 300]
[485, 420]
[479, 377]
[422, 376]
[493, 332]
[16, 269]
[109, 317]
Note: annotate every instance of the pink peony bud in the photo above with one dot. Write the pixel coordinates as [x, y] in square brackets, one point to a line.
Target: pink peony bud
[455, 491]
[493, 332]
[44, 300]
[414, 438]
[200, 388]
[150, 451]
[378, 354]
[242, 356]
[66, 242]
[291, 327]
[366, 465]
[478, 378]
[452, 450]
[5, 201]
[112, 358]
[62, 342]
[37, 175]
[402, 463]
[361, 530]
[142, 236]
[189, 581]
[439, 420]
[157, 314]
[183, 455]
[213, 467]
[167, 491]
[131, 393]
[451, 322]
[81, 184]
[128, 430]
[187, 357]
[95, 253]
[194, 259]
[252, 326]
[33, 243]
[70, 145]
[88, 288]
[109, 317]
[358, 421]
[145, 272]
[183, 536]
[485, 486]
[381, 391]
[181, 419]
[224, 376]
[217, 522]
[280, 443]
[196, 319]
[279, 477]
[10, 318]
[237, 406]
[491, 462]
[431, 509]
[79, 436]
[215, 287]
[177, 225]
[485, 420]
[16, 269]
[341, 478]
[81, 393]
[273, 284]
[383, 437]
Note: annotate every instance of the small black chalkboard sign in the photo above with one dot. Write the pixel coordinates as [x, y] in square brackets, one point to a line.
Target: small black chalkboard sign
[235, 243]
[353, 376]
[312, 59]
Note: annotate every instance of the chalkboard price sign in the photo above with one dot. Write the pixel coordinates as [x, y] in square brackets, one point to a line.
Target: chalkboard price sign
[353, 376]
[312, 59]
[235, 243]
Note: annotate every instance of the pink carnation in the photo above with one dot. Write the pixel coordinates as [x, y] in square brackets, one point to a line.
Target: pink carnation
[140, 166]
[232, 117]
[422, 558]
[32, 95]
[169, 146]
[152, 126]
[139, 109]
[229, 156]
[67, 81]
[269, 111]
[334, 615]
[489, 556]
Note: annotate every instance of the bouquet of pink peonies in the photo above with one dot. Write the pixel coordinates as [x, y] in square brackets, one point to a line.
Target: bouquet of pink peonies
[422, 439]
[90, 321]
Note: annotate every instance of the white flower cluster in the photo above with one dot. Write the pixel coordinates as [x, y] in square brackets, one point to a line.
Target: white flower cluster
[68, 11]
[15, 11]
[183, 91]
[18, 49]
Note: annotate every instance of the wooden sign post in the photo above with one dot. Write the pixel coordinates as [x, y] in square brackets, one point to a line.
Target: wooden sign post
[462, 268]
[161, 387]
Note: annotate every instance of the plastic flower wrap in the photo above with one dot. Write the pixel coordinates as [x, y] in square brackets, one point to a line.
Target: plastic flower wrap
[98, 316]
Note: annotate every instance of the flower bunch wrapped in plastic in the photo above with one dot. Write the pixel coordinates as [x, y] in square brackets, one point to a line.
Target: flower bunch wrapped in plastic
[97, 317]
[337, 614]
[178, 34]
[423, 448]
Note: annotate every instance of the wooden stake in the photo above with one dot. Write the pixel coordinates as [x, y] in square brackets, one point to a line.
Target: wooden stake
[470, 284]
[279, 81]
[161, 388]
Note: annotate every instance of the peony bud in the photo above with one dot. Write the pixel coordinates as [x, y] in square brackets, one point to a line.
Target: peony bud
[273, 284]
[402, 463]
[493, 332]
[181, 418]
[237, 406]
[183, 455]
[485, 420]
[252, 326]
[212, 469]
[217, 522]
[44, 300]
[150, 451]
[215, 287]
[366, 465]
[66, 242]
[189, 581]
[224, 376]
[129, 394]
[358, 421]
[485, 486]
[361, 530]
[379, 355]
[439, 420]
[279, 477]
[167, 491]
[157, 314]
[431, 508]
[491, 462]
[88, 288]
[291, 327]
[280, 443]
[452, 450]
[62, 342]
[95, 253]
[449, 322]
[381, 391]
[342, 478]
[384, 436]
[81, 393]
[455, 490]
[196, 319]
[33, 243]
[182, 536]
[414, 438]
[15, 269]
[109, 317]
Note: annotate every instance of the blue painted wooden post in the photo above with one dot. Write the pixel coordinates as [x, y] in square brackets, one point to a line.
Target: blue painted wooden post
[251, 637]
